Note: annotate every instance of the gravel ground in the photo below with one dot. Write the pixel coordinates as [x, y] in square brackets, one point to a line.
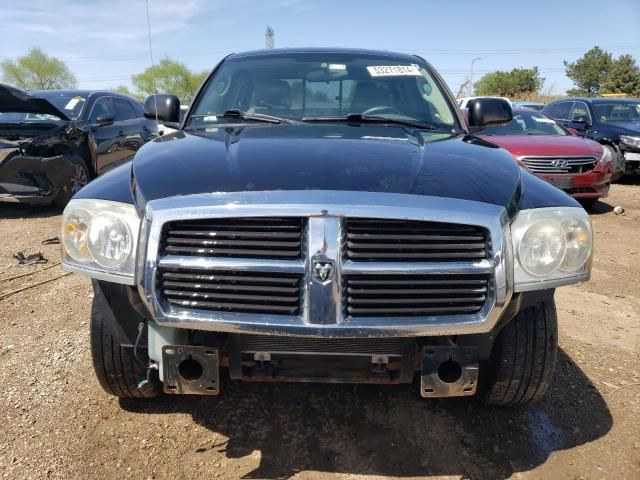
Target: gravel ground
[56, 422]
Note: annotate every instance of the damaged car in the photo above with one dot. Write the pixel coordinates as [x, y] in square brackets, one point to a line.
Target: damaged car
[53, 142]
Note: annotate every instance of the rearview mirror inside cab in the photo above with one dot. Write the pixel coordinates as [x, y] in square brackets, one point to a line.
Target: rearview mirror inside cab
[488, 111]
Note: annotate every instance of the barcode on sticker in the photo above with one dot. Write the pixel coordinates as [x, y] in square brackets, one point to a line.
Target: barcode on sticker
[393, 70]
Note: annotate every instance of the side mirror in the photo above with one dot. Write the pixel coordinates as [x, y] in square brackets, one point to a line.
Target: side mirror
[163, 107]
[581, 122]
[105, 120]
[483, 112]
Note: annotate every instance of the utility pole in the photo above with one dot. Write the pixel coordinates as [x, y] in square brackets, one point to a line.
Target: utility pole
[269, 37]
[477, 59]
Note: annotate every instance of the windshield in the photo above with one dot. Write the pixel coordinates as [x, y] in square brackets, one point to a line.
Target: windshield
[527, 123]
[613, 112]
[304, 86]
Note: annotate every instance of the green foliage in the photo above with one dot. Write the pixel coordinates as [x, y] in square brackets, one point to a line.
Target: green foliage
[170, 77]
[517, 83]
[37, 71]
[127, 91]
[623, 77]
[589, 72]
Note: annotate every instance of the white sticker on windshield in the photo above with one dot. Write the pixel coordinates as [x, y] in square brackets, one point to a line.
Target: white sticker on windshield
[393, 70]
[71, 104]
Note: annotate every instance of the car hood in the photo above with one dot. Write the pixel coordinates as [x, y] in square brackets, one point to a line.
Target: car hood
[545, 145]
[625, 128]
[372, 158]
[17, 101]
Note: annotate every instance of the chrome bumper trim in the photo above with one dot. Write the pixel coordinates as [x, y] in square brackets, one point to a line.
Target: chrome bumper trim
[415, 268]
[321, 313]
[237, 264]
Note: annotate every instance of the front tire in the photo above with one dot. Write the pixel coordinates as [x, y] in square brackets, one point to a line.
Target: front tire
[115, 365]
[80, 177]
[524, 357]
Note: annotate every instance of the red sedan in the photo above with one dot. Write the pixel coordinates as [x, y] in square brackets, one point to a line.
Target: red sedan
[580, 167]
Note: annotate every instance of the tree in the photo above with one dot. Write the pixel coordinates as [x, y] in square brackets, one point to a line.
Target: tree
[623, 77]
[127, 91]
[37, 71]
[169, 76]
[518, 83]
[589, 72]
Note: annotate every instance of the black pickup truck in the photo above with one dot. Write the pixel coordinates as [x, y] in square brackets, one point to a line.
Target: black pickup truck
[325, 215]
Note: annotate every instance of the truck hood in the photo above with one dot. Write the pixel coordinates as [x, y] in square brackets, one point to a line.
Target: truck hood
[372, 158]
[17, 101]
[545, 145]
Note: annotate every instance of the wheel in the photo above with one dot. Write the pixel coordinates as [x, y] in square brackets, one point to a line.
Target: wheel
[617, 168]
[114, 362]
[588, 203]
[78, 179]
[524, 357]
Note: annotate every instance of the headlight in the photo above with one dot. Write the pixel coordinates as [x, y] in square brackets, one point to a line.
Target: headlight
[552, 246]
[99, 239]
[607, 156]
[631, 141]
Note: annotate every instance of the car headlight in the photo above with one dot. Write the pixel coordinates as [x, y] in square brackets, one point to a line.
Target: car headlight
[552, 247]
[607, 156]
[630, 141]
[99, 239]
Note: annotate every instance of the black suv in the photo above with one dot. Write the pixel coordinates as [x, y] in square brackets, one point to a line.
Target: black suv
[613, 122]
[53, 142]
[325, 215]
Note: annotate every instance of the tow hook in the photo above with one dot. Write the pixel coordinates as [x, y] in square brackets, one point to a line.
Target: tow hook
[191, 370]
[448, 371]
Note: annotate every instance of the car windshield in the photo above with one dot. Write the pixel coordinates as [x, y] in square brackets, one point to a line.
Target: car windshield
[527, 123]
[313, 86]
[615, 112]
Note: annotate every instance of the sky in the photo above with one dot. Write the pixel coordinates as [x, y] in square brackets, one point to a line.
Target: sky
[104, 42]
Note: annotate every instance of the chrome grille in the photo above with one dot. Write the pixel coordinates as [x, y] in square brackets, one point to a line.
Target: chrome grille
[232, 291]
[260, 237]
[398, 240]
[415, 295]
[559, 164]
[325, 289]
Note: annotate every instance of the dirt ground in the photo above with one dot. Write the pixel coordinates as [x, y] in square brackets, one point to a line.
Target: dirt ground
[56, 422]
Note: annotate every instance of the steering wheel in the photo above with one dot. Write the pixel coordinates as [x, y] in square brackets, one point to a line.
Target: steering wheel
[381, 109]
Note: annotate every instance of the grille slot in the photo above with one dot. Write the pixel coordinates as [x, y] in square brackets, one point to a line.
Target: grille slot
[346, 346]
[248, 292]
[398, 240]
[414, 295]
[559, 164]
[279, 238]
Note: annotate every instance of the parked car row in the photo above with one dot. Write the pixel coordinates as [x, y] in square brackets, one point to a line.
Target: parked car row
[579, 166]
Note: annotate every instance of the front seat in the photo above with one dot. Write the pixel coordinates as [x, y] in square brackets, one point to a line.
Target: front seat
[272, 95]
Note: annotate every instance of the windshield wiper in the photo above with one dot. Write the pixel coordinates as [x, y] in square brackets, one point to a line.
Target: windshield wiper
[252, 117]
[359, 118]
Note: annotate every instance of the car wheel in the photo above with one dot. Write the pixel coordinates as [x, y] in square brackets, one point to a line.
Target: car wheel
[523, 357]
[618, 162]
[118, 370]
[79, 178]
